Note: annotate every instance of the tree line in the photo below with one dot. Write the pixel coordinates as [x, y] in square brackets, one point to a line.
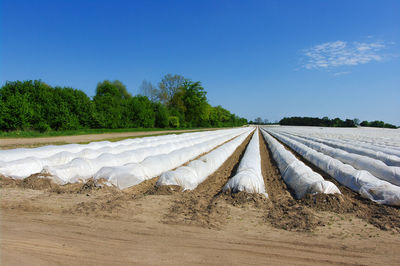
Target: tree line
[315, 121]
[175, 102]
[326, 122]
[377, 123]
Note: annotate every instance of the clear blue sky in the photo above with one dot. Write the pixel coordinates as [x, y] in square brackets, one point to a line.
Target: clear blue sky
[256, 58]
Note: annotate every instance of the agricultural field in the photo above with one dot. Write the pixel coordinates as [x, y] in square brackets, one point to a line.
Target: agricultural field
[248, 195]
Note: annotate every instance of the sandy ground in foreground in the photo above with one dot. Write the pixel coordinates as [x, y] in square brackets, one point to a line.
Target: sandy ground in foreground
[83, 224]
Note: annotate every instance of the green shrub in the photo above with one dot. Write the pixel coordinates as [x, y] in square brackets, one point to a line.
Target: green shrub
[42, 127]
[173, 121]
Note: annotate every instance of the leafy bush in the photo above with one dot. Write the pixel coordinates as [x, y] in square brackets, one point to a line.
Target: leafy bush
[173, 121]
[42, 127]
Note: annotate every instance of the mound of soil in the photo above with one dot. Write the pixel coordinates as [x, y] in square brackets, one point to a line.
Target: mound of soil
[242, 199]
[327, 202]
[76, 188]
[36, 182]
[164, 190]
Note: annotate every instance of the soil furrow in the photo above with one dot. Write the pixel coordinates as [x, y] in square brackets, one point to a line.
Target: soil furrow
[203, 206]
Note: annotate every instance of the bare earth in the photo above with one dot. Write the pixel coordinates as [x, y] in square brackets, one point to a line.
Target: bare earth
[83, 224]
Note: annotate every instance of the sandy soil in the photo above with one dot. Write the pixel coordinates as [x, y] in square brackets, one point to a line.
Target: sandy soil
[11, 143]
[83, 224]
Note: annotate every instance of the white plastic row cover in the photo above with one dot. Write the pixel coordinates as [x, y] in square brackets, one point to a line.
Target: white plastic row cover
[190, 176]
[388, 159]
[377, 139]
[360, 181]
[93, 149]
[248, 176]
[83, 164]
[135, 173]
[81, 168]
[376, 167]
[298, 176]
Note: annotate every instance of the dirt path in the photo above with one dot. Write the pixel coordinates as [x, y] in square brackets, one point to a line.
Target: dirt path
[81, 224]
[8, 143]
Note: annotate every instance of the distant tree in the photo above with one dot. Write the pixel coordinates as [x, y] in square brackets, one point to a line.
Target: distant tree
[196, 105]
[110, 112]
[266, 121]
[376, 123]
[315, 121]
[337, 122]
[149, 90]
[141, 112]
[169, 86]
[219, 116]
[349, 123]
[18, 112]
[258, 120]
[161, 115]
[356, 121]
[387, 125]
[111, 105]
[112, 88]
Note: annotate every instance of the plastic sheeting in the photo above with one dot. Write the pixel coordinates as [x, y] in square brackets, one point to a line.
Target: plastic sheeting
[376, 167]
[360, 181]
[190, 176]
[298, 176]
[135, 173]
[377, 139]
[82, 168]
[388, 159]
[248, 176]
[384, 149]
[69, 164]
[81, 149]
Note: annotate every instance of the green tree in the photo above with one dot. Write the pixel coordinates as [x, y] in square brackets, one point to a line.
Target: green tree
[113, 88]
[195, 102]
[219, 116]
[169, 86]
[161, 115]
[111, 102]
[18, 112]
[141, 112]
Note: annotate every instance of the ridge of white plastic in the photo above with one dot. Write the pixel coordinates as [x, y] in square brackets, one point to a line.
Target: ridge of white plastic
[298, 176]
[248, 176]
[360, 181]
[190, 176]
